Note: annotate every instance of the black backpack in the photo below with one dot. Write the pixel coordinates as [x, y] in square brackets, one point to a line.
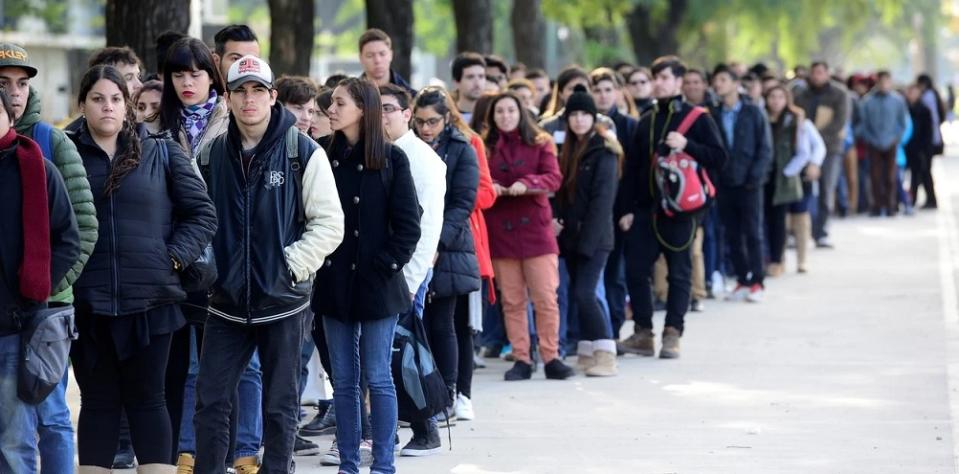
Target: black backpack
[421, 391]
[44, 352]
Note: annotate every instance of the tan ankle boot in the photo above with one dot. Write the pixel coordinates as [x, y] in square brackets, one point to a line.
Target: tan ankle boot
[643, 343]
[184, 464]
[246, 465]
[802, 226]
[584, 356]
[670, 349]
[604, 356]
[156, 469]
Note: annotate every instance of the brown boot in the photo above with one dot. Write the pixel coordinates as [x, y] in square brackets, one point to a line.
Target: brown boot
[642, 342]
[802, 226]
[184, 464]
[670, 349]
[774, 270]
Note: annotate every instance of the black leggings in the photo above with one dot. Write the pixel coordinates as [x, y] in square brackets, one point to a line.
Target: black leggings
[135, 385]
[464, 342]
[178, 367]
[584, 274]
[438, 319]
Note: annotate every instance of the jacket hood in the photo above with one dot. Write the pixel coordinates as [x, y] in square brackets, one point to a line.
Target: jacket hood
[31, 115]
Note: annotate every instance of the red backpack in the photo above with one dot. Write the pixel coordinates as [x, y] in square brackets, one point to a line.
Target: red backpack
[683, 183]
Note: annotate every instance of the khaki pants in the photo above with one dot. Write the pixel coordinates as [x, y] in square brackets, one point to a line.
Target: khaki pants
[661, 287]
[519, 281]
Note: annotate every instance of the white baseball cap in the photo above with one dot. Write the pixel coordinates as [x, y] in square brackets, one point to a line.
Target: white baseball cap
[249, 68]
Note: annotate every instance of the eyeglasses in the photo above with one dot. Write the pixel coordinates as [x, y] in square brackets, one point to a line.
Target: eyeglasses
[390, 108]
[431, 122]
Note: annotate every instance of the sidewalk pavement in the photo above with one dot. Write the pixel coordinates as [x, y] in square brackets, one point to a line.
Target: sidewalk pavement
[850, 368]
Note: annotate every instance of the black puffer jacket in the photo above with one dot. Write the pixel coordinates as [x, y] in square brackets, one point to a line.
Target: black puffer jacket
[161, 210]
[456, 271]
[588, 220]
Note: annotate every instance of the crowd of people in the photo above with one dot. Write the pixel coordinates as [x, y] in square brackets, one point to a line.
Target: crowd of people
[519, 217]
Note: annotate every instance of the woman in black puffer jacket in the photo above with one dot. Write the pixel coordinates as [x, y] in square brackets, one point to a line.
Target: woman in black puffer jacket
[456, 271]
[157, 218]
[583, 217]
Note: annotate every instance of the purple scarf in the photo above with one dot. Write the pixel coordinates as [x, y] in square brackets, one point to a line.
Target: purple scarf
[195, 118]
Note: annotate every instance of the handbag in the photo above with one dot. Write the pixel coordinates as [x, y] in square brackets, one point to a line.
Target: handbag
[201, 274]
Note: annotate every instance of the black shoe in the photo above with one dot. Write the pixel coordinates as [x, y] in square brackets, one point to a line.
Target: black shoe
[321, 425]
[557, 370]
[305, 447]
[520, 371]
[491, 352]
[696, 306]
[424, 445]
[930, 205]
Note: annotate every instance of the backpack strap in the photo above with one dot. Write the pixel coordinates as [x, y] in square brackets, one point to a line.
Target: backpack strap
[297, 165]
[43, 135]
[689, 119]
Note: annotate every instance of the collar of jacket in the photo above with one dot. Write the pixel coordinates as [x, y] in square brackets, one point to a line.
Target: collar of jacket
[664, 106]
[280, 121]
[83, 136]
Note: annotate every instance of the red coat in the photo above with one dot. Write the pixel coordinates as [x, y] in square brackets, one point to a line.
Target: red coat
[485, 197]
[521, 227]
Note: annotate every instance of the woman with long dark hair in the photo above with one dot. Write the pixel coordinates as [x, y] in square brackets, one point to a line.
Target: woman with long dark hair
[456, 272]
[522, 241]
[360, 291]
[590, 163]
[159, 219]
[798, 150]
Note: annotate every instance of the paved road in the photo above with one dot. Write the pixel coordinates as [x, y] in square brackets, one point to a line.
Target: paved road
[848, 369]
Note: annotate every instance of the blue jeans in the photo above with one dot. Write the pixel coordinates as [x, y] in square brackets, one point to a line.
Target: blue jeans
[18, 423]
[249, 429]
[365, 347]
[187, 434]
[615, 285]
[56, 431]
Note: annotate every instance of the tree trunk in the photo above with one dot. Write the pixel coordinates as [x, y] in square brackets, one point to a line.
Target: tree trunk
[291, 36]
[395, 17]
[137, 24]
[529, 33]
[474, 25]
[654, 38]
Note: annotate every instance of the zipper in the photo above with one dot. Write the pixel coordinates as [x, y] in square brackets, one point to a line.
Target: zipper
[246, 235]
[113, 255]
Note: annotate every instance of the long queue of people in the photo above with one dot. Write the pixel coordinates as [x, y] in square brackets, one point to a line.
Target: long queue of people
[516, 216]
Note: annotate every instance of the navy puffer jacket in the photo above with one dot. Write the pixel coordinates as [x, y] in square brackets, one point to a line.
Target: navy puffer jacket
[456, 271]
[160, 211]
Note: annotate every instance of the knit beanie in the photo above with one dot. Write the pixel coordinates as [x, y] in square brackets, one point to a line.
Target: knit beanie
[580, 101]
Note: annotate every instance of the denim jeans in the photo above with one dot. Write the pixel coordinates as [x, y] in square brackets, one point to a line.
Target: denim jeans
[365, 347]
[227, 350]
[615, 285]
[187, 435]
[742, 212]
[249, 412]
[56, 431]
[570, 331]
[18, 423]
[828, 183]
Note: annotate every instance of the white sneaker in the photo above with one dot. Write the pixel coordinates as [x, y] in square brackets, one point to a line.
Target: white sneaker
[464, 408]
[739, 294]
[756, 294]
[718, 283]
[332, 457]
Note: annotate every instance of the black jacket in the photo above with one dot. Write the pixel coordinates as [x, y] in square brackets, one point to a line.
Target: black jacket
[456, 271]
[259, 217]
[363, 279]
[921, 143]
[752, 153]
[160, 210]
[640, 193]
[588, 219]
[64, 236]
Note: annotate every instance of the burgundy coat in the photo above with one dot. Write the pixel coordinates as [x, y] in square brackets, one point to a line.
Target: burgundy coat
[521, 227]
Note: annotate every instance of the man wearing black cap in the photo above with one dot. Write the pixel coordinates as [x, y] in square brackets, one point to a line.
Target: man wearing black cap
[649, 231]
[262, 164]
[54, 427]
